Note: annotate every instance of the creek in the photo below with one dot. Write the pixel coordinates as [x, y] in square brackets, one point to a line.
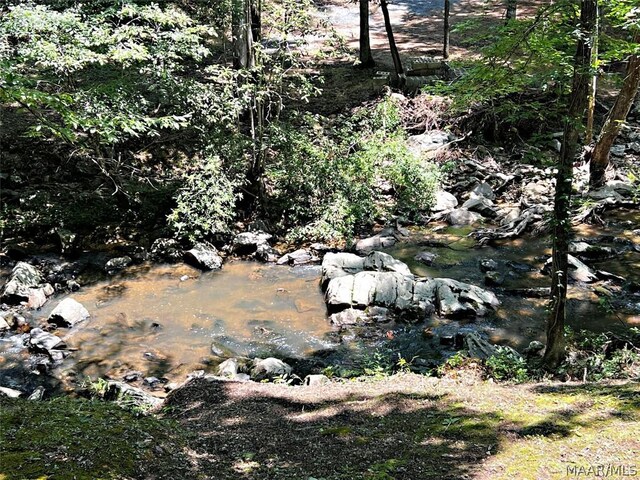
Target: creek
[167, 321]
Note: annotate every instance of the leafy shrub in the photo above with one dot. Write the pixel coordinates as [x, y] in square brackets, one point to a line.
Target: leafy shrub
[323, 181]
[205, 204]
[507, 364]
[598, 356]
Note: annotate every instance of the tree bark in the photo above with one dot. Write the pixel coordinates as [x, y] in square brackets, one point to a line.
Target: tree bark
[256, 20]
[397, 63]
[599, 156]
[243, 54]
[512, 10]
[593, 85]
[366, 58]
[554, 353]
[447, 30]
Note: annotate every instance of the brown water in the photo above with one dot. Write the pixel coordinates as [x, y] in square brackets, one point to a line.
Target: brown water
[162, 320]
[520, 320]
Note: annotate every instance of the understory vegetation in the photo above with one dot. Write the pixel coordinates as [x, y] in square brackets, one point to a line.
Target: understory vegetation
[111, 89]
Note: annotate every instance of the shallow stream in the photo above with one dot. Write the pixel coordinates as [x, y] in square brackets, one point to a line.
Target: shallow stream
[162, 321]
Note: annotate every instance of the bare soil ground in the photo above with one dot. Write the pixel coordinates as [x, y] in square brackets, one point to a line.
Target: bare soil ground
[407, 427]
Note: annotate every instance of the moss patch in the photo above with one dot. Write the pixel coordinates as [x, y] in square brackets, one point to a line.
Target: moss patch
[79, 439]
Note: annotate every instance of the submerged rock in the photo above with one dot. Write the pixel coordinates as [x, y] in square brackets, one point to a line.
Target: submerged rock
[68, 313]
[426, 257]
[204, 256]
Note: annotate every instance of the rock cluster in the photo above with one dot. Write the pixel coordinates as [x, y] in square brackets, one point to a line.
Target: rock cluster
[378, 280]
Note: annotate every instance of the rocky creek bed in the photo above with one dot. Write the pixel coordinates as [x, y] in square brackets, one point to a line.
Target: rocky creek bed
[151, 326]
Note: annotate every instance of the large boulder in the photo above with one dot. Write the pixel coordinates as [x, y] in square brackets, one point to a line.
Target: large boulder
[68, 313]
[578, 271]
[340, 264]
[481, 205]
[298, 257]
[353, 283]
[204, 256]
[462, 216]
[458, 299]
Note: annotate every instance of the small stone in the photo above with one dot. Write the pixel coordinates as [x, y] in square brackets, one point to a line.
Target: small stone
[488, 265]
[426, 257]
[37, 394]
[4, 325]
[204, 256]
[493, 279]
[116, 264]
[68, 313]
[9, 392]
[316, 380]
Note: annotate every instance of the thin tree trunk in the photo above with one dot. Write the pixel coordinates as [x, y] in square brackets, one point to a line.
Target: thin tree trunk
[554, 353]
[256, 20]
[512, 10]
[243, 54]
[366, 58]
[397, 63]
[445, 46]
[599, 156]
[593, 87]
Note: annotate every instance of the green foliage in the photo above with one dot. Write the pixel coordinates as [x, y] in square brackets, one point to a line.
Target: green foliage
[507, 364]
[68, 438]
[325, 176]
[98, 80]
[205, 204]
[598, 356]
[519, 84]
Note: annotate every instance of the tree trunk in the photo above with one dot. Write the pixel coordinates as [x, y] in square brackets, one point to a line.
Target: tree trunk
[593, 86]
[397, 63]
[512, 10]
[554, 353]
[243, 54]
[599, 156]
[256, 20]
[445, 46]
[366, 59]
